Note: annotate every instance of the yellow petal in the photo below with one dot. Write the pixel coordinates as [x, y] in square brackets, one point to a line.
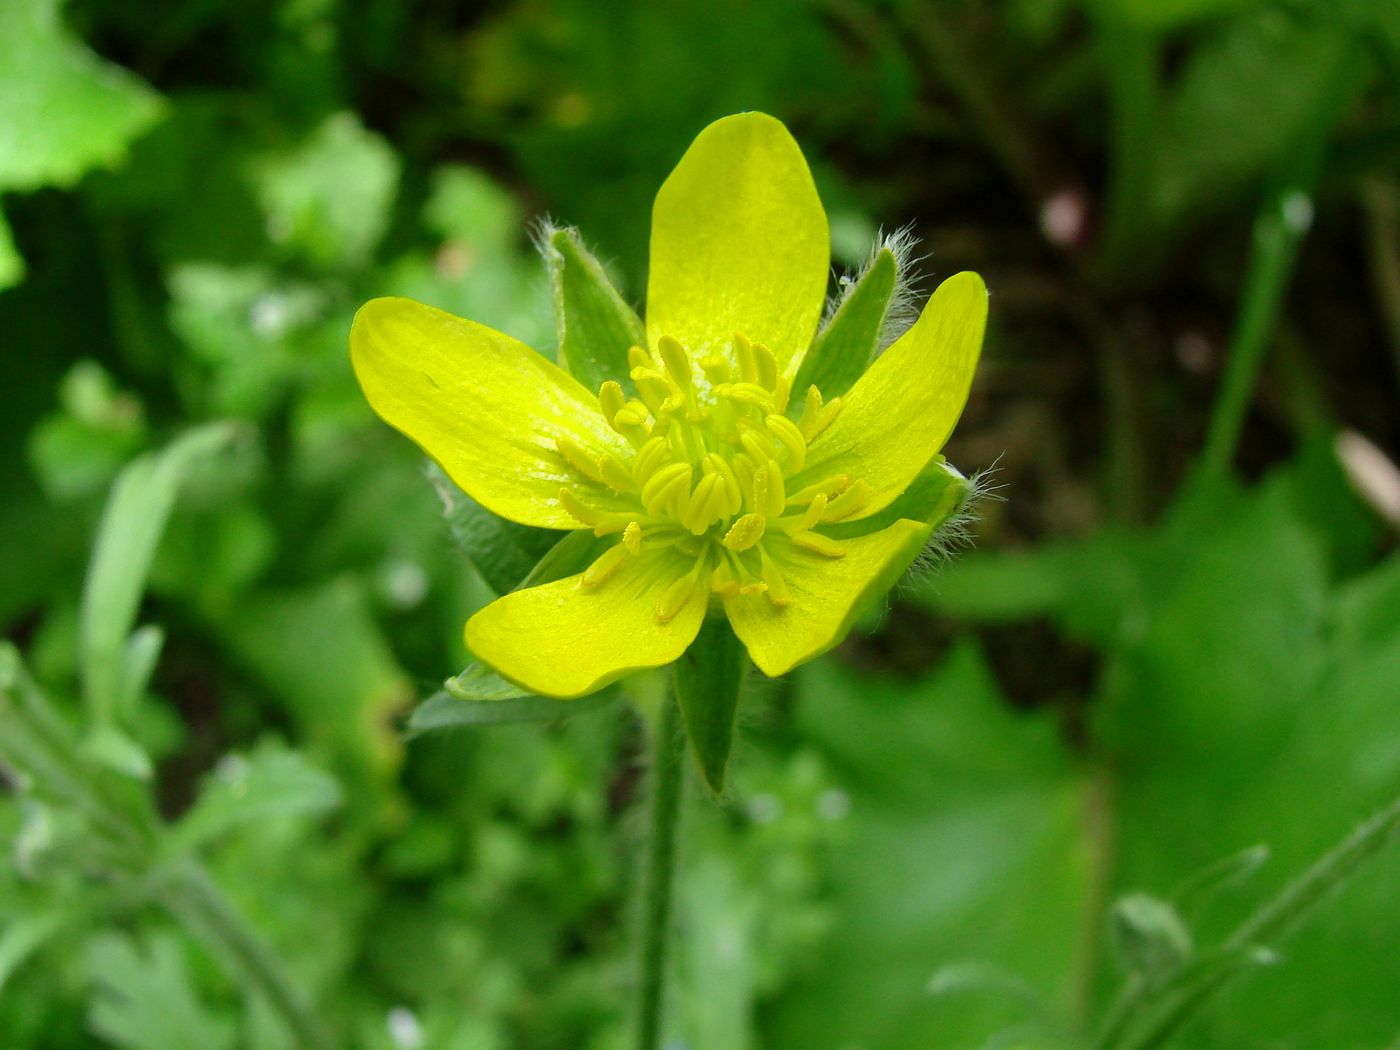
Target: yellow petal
[825, 594]
[487, 408]
[899, 414]
[739, 243]
[565, 640]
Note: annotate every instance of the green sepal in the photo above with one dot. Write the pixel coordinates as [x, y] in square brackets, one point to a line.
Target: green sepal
[934, 497]
[708, 680]
[503, 552]
[480, 697]
[842, 350]
[594, 324]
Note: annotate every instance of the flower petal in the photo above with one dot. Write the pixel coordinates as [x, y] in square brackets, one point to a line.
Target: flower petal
[565, 640]
[826, 595]
[899, 414]
[487, 408]
[739, 243]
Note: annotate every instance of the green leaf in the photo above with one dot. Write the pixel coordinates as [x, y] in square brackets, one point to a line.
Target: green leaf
[329, 198]
[145, 997]
[1247, 97]
[444, 711]
[62, 109]
[503, 552]
[709, 677]
[842, 350]
[1151, 938]
[594, 324]
[964, 807]
[135, 516]
[480, 697]
[270, 782]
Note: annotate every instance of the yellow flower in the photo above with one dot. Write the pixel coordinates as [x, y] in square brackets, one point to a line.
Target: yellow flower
[723, 489]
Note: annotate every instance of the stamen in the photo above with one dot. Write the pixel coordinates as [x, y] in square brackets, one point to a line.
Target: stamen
[747, 393]
[602, 522]
[606, 564]
[759, 448]
[785, 430]
[816, 416]
[831, 487]
[743, 356]
[716, 368]
[766, 366]
[578, 458]
[613, 474]
[815, 541]
[649, 459]
[668, 490]
[850, 501]
[677, 361]
[706, 504]
[812, 514]
[632, 537]
[745, 532]
[611, 399]
[713, 463]
[639, 358]
[675, 597]
[778, 592]
[632, 414]
[768, 496]
[653, 385]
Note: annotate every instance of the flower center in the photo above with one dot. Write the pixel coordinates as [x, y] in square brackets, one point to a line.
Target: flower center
[713, 451]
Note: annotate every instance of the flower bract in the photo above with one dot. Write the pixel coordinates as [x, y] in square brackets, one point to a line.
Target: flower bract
[714, 484]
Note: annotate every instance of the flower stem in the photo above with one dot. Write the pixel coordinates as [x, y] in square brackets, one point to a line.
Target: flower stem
[194, 899]
[667, 756]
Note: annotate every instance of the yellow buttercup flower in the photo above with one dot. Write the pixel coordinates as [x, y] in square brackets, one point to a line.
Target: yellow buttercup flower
[723, 489]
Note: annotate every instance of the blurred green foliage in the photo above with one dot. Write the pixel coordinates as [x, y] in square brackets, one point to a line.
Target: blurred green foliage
[1147, 667]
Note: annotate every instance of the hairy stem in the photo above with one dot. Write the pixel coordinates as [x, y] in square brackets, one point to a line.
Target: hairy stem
[667, 758]
[1276, 918]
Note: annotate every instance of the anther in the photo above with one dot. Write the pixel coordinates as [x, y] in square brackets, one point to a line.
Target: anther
[743, 356]
[677, 361]
[706, 504]
[768, 496]
[639, 358]
[816, 542]
[812, 514]
[606, 564]
[766, 366]
[613, 474]
[632, 537]
[817, 416]
[716, 368]
[785, 430]
[649, 459]
[745, 532]
[611, 399]
[578, 458]
[760, 449]
[849, 502]
[713, 463]
[778, 592]
[675, 597]
[747, 393]
[830, 487]
[668, 490]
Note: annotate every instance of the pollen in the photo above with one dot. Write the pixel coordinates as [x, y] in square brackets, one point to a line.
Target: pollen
[714, 449]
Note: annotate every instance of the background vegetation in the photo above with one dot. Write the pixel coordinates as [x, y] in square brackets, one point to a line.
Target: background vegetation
[1178, 636]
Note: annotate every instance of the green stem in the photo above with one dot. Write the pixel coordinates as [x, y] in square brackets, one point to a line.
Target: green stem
[194, 898]
[1129, 57]
[1277, 234]
[1277, 917]
[667, 764]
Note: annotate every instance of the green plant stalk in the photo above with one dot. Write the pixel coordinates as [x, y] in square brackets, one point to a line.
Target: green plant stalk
[1276, 241]
[1128, 54]
[668, 747]
[194, 899]
[1277, 917]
